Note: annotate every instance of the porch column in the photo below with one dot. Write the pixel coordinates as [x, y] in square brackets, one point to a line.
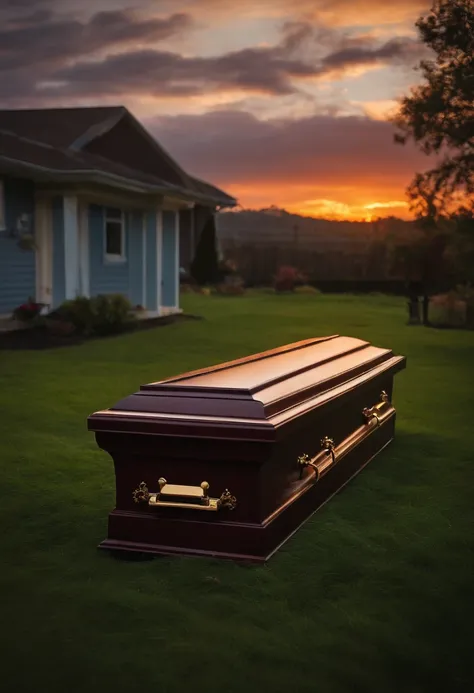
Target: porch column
[152, 262]
[71, 247]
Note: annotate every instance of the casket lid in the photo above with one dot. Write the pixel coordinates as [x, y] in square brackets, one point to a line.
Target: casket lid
[258, 391]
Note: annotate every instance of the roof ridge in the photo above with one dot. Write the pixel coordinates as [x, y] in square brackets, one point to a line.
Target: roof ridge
[62, 109]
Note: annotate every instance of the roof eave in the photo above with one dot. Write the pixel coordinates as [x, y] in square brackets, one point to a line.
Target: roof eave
[91, 175]
[120, 182]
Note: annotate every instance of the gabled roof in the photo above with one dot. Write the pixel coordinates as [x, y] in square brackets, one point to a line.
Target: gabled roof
[53, 142]
[59, 127]
[46, 161]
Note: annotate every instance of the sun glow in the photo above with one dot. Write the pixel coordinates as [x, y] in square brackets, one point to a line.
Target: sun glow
[342, 211]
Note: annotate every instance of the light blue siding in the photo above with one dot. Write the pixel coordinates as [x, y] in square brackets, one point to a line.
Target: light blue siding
[135, 247]
[17, 267]
[59, 269]
[169, 264]
[116, 277]
[151, 262]
[105, 277]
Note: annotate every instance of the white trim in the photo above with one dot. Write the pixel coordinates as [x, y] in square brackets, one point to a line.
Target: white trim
[144, 235]
[71, 247]
[109, 258]
[84, 272]
[3, 221]
[177, 262]
[172, 204]
[44, 252]
[159, 255]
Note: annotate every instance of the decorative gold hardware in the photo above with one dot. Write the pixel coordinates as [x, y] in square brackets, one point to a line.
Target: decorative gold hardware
[374, 413]
[328, 446]
[323, 461]
[227, 500]
[141, 494]
[180, 496]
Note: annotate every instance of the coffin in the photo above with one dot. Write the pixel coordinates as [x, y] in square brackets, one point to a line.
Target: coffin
[229, 461]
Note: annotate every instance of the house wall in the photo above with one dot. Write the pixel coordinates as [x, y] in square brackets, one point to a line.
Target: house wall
[136, 266]
[149, 274]
[151, 261]
[107, 277]
[17, 267]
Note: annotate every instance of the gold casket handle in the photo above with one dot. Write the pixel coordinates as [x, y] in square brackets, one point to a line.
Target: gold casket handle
[319, 465]
[374, 413]
[180, 496]
[322, 461]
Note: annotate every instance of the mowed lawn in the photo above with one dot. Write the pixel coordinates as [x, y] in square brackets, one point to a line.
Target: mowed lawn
[375, 594]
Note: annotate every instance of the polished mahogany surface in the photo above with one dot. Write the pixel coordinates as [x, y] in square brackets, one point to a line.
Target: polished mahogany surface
[257, 392]
[244, 426]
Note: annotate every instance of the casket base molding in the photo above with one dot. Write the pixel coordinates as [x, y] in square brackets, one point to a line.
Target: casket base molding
[141, 532]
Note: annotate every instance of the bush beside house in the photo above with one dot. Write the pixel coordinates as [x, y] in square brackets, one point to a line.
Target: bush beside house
[96, 316]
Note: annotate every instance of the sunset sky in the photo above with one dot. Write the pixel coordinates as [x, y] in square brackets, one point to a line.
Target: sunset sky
[279, 102]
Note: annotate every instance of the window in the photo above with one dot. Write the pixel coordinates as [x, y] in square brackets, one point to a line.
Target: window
[2, 207]
[114, 235]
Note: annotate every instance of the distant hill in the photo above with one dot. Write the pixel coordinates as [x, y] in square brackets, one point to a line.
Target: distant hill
[258, 242]
[277, 226]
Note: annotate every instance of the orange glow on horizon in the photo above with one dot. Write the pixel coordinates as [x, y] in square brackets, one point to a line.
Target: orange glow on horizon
[340, 211]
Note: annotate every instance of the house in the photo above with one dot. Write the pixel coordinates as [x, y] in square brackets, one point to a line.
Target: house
[104, 208]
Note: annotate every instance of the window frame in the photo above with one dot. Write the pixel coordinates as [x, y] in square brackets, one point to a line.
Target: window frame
[116, 216]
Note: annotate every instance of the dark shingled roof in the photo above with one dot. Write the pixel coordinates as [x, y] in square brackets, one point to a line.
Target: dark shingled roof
[43, 138]
[59, 127]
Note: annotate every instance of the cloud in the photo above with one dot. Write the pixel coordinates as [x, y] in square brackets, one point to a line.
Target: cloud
[322, 152]
[400, 49]
[275, 70]
[335, 167]
[59, 39]
[166, 73]
[333, 12]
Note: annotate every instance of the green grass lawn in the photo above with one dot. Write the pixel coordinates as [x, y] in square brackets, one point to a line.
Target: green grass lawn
[373, 595]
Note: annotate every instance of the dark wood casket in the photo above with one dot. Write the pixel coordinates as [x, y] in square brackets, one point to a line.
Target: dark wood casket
[229, 461]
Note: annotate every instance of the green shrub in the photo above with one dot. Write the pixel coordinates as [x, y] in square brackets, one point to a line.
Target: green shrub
[306, 289]
[112, 313]
[100, 315]
[78, 312]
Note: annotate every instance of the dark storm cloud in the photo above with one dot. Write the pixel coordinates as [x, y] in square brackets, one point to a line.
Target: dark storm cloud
[42, 57]
[159, 73]
[270, 70]
[61, 39]
[318, 149]
[396, 50]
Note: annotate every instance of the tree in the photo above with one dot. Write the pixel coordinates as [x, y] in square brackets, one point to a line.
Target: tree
[439, 114]
[205, 266]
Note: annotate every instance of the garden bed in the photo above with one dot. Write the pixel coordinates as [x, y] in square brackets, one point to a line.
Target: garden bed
[41, 337]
